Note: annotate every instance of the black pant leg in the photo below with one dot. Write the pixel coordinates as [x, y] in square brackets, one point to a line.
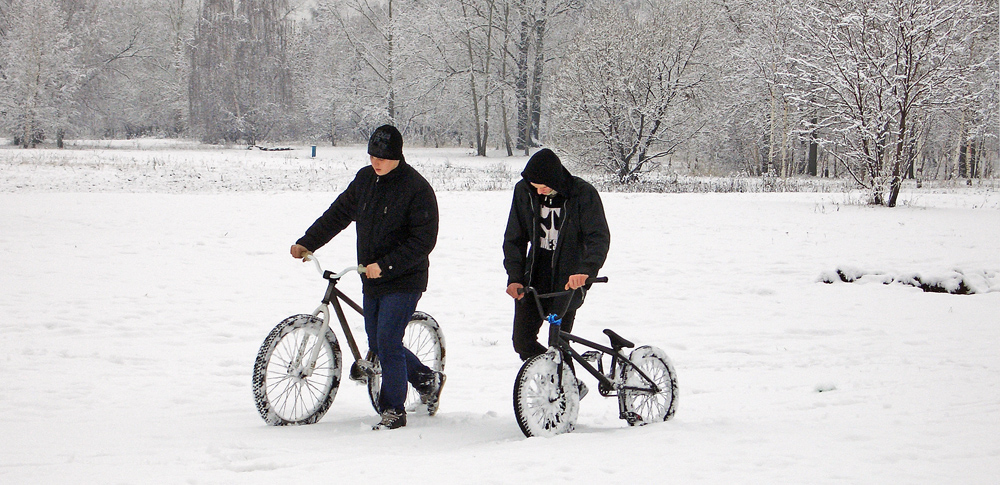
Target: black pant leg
[527, 323]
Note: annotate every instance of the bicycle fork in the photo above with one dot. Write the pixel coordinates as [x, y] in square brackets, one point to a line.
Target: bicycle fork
[306, 358]
[555, 326]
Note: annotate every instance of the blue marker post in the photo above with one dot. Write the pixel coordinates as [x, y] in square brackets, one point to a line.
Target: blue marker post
[314, 151]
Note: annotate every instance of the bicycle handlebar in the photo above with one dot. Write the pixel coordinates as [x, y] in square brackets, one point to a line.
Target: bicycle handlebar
[526, 289]
[308, 256]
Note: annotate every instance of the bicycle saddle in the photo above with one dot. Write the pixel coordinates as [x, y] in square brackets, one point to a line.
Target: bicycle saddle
[617, 341]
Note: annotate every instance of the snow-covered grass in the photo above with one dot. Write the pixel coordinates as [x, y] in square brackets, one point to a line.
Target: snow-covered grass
[136, 294]
[182, 168]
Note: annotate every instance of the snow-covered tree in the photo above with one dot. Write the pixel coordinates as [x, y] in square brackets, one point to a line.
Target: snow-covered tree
[757, 119]
[135, 70]
[465, 39]
[38, 71]
[628, 90]
[876, 71]
[373, 33]
[239, 88]
[532, 51]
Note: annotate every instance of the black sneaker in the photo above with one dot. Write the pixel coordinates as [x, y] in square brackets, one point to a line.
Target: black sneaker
[430, 391]
[391, 419]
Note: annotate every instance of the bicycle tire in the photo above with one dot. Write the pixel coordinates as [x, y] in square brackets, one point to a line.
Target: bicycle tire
[424, 338]
[542, 406]
[644, 407]
[283, 393]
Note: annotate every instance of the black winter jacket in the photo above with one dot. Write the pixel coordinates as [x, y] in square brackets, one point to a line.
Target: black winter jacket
[583, 241]
[396, 219]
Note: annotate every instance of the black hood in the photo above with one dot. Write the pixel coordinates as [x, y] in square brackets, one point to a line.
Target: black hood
[545, 168]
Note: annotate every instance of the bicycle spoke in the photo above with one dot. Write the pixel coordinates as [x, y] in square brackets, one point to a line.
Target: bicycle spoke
[649, 388]
[542, 405]
[287, 387]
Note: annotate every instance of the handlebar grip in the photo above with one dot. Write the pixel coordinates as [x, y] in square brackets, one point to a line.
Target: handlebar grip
[600, 279]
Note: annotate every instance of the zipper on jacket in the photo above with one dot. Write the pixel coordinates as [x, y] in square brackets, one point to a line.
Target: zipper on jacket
[535, 221]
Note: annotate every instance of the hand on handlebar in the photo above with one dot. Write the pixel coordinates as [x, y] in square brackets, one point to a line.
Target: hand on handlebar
[299, 252]
[576, 281]
[515, 290]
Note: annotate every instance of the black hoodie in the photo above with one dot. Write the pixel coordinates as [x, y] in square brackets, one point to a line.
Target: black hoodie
[584, 237]
[545, 168]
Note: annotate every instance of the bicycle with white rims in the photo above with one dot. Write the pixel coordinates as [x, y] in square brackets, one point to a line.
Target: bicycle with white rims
[547, 392]
[297, 371]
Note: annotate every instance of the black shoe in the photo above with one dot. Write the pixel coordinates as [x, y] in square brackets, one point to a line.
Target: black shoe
[391, 419]
[430, 391]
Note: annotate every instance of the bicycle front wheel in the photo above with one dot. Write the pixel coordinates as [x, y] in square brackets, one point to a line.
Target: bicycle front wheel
[424, 338]
[288, 387]
[641, 405]
[544, 403]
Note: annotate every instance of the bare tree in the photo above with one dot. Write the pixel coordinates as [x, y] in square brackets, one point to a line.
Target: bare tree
[371, 28]
[135, 71]
[531, 53]
[876, 70]
[627, 89]
[762, 42]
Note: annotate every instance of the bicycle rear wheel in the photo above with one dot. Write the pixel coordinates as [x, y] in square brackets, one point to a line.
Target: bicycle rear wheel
[286, 390]
[643, 406]
[424, 338]
[544, 404]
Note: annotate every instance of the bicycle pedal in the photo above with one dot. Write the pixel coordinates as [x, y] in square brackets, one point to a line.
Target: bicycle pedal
[361, 371]
[633, 419]
[591, 356]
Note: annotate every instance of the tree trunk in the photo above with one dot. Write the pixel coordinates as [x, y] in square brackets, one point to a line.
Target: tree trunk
[813, 151]
[389, 70]
[503, 79]
[536, 81]
[900, 155]
[771, 155]
[959, 144]
[487, 76]
[521, 81]
[786, 166]
[480, 148]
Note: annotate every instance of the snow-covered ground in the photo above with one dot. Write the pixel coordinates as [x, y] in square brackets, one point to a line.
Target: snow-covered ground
[138, 282]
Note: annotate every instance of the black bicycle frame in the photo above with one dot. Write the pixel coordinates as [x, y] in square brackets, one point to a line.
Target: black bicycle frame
[561, 340]
[333, 296]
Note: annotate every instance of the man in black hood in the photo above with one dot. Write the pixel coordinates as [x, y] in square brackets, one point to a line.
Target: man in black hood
[396, 217]
[557, 236]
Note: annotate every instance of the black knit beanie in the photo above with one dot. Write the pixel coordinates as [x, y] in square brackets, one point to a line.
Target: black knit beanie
[545, 168]
[386, 142]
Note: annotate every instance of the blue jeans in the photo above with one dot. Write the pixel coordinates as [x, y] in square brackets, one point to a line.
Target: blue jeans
[386, 317]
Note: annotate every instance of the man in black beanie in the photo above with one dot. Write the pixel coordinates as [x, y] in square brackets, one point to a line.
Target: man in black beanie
[396, 217]
[557, 236]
